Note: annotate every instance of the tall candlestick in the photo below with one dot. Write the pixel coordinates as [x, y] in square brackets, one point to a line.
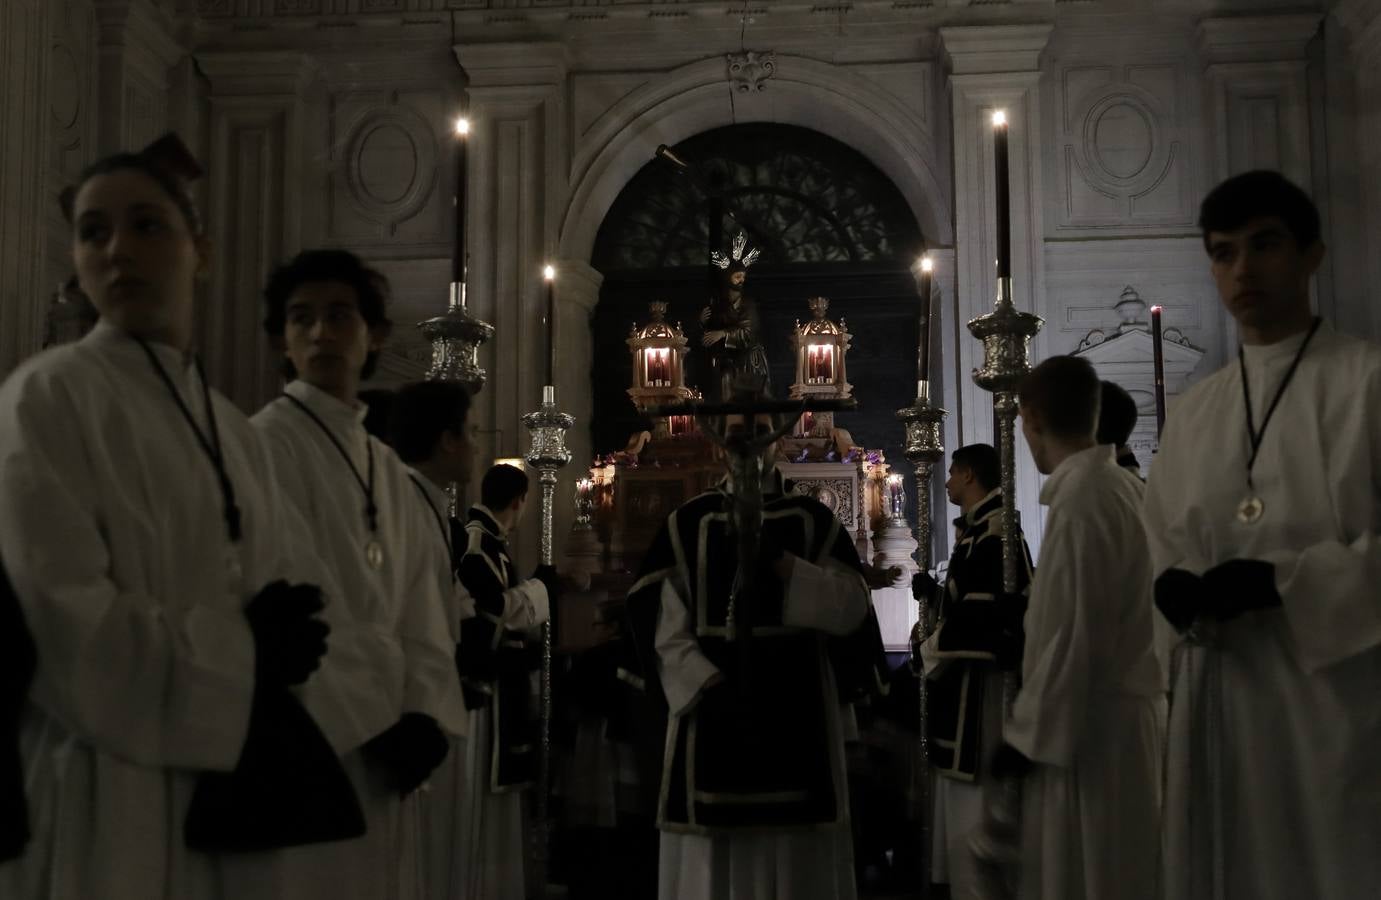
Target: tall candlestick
[1157, 346]
[923, 343]
[1004, 196]
[459, 256]
[549, 273]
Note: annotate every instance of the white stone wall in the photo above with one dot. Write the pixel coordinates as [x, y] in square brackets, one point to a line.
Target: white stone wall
[327, 122]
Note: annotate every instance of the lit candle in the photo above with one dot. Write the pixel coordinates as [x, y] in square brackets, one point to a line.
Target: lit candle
[1004, 196]
[549, 274]
[1156, 345]
[923, 347]
[896, 497]
[459, 256]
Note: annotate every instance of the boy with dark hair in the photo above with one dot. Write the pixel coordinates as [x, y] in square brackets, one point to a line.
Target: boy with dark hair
[976, 641]
[326, 316]
[1085, 729]
[1262, 513]
[1117, 415]
[500, 658]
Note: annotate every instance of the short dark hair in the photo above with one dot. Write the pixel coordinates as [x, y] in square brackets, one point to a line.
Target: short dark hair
[167, 161]
[1260, 194]
[370, 286]
[982, 460]
[1065, 391]
[378, 410]
[501, 485]
[1117, 415]
[422, 412]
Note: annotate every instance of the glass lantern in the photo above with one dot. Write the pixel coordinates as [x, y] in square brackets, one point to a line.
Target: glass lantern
[821, 347]
[659, 351]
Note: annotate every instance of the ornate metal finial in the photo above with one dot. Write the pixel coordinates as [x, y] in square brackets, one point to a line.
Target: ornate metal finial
[738, 255]
[456, 337]
[1006, 334]
[1131, 309]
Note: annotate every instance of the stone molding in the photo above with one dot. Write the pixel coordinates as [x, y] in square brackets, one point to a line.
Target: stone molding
[984, 49]
[1257, 38]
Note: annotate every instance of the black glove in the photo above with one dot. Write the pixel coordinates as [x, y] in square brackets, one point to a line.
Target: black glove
[1009, 763]
[408, 751]
[1180, 597]
[288, 640]
[922, 585]
[1011, 636]
[550, 580]
[1238, 586]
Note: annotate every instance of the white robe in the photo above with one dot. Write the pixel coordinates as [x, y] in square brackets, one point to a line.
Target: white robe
[787, 865]
[397, 641]
[442, 799]
[111, 528]
[1274, 788]
[1090, 705]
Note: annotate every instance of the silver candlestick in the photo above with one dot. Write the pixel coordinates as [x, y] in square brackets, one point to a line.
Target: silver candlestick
[456, 337]
[547, 453]
[1006, 334]
[925, 446]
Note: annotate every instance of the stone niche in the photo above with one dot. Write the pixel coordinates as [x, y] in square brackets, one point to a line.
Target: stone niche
[1125, 354]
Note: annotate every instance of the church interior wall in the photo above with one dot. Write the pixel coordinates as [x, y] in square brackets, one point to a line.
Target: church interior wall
[322, 124]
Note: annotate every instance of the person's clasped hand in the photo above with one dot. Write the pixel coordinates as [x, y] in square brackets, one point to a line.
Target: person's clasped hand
[289, 639]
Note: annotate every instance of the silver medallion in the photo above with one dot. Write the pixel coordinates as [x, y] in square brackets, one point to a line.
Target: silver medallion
[1250, 509]
[234, 569]
[374, 554]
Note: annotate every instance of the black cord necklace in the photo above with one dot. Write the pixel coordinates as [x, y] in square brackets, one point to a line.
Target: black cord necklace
[1251, 508]
[440, 524]
[373, 550]
[210, 445]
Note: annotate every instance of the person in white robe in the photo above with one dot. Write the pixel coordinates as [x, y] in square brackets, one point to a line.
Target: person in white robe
[430, 431]
[1264, 533]
[326, 315]
[754, 796]
[138, 522]
[1085, 730]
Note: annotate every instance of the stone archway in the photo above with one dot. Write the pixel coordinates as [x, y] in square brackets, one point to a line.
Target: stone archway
[897, 138]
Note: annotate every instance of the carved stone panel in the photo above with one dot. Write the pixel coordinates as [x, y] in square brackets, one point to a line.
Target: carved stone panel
[390, 176]
[1123, 151]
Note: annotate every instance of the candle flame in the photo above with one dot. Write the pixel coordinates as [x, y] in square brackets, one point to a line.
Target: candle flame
[894, 479]
[462, 126]
[927, 264]
[1156, 309]
[999, 118]
[548, 272]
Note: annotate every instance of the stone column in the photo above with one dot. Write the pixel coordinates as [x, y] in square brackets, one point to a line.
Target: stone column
[1257, 103]
[137, 49]
[254, 208]
[1353, 32]
[519, 164]
[24, 123]
[994, 67]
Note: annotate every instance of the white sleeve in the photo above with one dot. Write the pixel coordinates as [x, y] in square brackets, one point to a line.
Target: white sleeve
[159, 686]
[828, 598]
[526, 606]
[1048, 716]
[431, 684]
[681, 665]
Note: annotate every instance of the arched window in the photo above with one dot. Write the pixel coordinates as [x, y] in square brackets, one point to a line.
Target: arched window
[801, 197]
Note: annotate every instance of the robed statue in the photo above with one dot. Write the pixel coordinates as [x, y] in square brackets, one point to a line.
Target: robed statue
[737, 360]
